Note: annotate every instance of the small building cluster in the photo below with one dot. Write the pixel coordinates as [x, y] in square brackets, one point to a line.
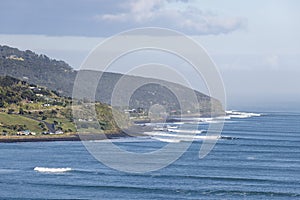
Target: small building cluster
[58, 132]
[25, 133]
[14, 57]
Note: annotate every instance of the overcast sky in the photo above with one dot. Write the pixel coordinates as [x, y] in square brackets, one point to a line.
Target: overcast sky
[255, 44]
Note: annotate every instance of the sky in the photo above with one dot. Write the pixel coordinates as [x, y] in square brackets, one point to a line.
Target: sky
[255, 44]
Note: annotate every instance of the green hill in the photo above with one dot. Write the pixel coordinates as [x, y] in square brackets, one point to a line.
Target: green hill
[36, 69]
[29, 107]
[59, 76]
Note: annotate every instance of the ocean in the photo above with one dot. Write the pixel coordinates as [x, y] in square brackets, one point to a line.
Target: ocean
[262, 162]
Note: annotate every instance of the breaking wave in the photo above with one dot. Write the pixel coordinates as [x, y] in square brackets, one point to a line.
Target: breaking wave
[52, 170]
[175, 138]
[236, 114]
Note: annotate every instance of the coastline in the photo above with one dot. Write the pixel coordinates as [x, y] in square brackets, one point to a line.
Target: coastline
[56, 138]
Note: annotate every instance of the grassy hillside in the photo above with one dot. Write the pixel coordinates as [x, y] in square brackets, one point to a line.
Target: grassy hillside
[12, 123]
[28, 107]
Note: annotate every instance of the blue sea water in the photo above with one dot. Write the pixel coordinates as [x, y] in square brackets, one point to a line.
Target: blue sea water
[263, 163]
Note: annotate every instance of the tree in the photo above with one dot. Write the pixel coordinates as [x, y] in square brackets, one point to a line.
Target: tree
[10, 111]
[21, 111]
[53, 112]
[42, 125]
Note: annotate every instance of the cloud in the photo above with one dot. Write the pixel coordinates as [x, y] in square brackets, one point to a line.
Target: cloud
[165, 13]
[137, 11]
[98, 18]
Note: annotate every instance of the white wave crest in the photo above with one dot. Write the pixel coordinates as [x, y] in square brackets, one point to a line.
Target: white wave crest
[236, 114]
[185, 131]
[52, 170]
[122, 140]
[167, 137]
[166, 140]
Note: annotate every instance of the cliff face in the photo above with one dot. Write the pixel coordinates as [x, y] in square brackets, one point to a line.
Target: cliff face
[59, 76]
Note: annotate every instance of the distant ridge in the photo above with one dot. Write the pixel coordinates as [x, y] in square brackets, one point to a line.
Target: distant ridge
[59, 76]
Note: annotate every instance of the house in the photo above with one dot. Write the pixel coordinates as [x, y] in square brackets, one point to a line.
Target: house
[14, 57]
[59, 132]
[4, 133]
[26, 132]
[130, 111]
[35, 89]
[23, 133]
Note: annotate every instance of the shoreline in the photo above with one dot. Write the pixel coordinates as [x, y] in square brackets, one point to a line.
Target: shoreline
[55, 138]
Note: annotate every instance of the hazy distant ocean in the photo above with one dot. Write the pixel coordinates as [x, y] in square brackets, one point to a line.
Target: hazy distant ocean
[264, 163]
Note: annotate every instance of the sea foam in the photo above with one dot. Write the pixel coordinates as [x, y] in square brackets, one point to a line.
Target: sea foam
[52, 170]
[167, 137]
[236, 114]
